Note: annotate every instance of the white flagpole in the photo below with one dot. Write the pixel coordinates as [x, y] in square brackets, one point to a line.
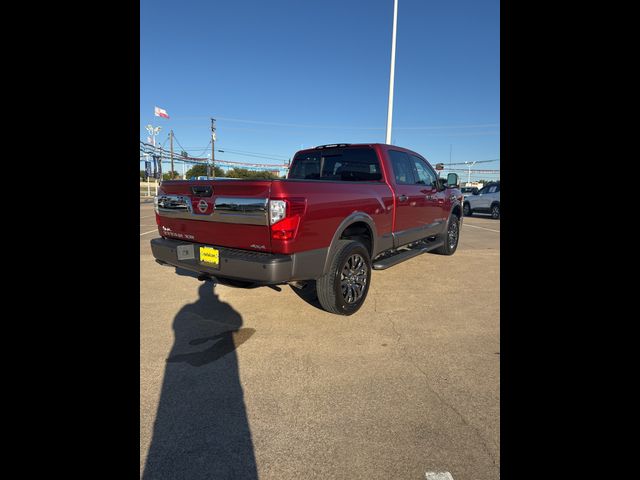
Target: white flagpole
[393, 68]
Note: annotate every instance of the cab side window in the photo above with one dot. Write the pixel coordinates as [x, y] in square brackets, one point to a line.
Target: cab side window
[402, 167]
[424, 174]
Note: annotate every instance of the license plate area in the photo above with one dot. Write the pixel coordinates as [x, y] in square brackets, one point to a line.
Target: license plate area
[210, 256]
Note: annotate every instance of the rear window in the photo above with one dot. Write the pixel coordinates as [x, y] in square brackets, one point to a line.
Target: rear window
[345, 164]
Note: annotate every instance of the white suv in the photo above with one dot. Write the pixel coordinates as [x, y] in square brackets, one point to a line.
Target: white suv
[487, 200]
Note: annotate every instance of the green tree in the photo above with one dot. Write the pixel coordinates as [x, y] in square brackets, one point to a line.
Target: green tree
[196, 171]
[170, 175]
[246, 173]
[143, 174]
[201, 171]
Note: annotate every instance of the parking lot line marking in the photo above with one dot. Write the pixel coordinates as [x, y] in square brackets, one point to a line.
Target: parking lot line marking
[149, 232]
[439, 476]
[483, 228]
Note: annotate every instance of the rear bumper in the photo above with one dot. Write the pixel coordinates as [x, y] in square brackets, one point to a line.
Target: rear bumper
[246, 265]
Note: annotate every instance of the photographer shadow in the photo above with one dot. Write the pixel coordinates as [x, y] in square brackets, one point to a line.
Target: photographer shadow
[201, 429]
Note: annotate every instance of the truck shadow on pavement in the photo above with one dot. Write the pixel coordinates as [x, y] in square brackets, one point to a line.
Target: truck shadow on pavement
[201, 429]
[309, 294]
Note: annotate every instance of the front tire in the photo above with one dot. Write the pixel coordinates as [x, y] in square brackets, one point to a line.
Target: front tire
[466, 210]
[344, 288]
[495, 211]
[452, 238]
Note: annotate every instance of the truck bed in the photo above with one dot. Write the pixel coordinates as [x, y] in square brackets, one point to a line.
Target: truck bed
[235, 213]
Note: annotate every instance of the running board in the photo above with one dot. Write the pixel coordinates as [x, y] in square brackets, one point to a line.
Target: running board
[405, 255]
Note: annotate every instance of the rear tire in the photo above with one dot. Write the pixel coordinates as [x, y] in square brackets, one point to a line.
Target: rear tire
[466, 210]
[344, 288]
[452, 238]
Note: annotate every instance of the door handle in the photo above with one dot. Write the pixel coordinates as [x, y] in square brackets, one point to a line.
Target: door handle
[403, 198]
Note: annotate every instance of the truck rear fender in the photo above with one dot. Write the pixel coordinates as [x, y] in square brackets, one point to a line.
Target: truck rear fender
[355, 222]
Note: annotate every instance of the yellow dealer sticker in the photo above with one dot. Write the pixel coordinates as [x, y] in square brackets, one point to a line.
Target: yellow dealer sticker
[210, 256]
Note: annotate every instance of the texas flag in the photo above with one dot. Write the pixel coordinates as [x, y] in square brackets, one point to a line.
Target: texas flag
[161, 112]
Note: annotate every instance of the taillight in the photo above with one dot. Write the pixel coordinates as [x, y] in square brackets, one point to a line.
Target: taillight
[277, 210]
[286, 229]
[284, 217]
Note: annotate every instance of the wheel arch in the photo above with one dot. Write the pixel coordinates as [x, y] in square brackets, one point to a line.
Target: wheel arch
[358, 225]
[457, 209]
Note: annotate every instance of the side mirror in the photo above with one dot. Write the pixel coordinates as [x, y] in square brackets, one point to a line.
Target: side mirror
[452, 180]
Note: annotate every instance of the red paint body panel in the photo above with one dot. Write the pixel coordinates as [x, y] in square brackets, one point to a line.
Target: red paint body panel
[328, 204]
[324, 205]
[217, 233]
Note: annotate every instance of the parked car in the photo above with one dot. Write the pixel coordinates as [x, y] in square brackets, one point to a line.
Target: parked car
[343, 210]
[486, 200]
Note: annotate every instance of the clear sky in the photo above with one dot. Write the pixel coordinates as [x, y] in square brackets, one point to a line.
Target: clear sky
[280, 75]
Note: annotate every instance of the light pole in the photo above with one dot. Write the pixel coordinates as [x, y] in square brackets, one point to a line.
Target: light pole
[391, 76]
[472, 164]
[154, 131]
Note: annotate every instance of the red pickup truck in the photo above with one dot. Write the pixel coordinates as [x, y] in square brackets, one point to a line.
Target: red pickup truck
[342, 210]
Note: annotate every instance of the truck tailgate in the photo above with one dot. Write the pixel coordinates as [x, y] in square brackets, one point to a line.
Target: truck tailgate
[227, 213]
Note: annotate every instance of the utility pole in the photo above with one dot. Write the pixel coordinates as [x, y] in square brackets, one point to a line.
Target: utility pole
[171, 143]
[213, 142]
[393, 68]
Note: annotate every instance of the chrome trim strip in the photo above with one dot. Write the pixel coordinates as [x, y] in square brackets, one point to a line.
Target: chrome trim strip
[249, 211]
[252, 211]
[172, 205]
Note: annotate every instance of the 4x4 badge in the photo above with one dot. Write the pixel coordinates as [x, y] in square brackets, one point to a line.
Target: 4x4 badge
[202, 206]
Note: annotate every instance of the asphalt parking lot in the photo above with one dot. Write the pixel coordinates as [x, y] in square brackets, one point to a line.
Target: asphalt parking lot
[258, 383]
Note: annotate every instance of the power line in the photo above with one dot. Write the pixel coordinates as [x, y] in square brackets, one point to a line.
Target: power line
[488, 172]
[159, 151]
[299, 125]
[177, 141]
[239, 152]
[147, 148]
[475, 161]
[256, 153]
[250, 155]
[203, 150]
